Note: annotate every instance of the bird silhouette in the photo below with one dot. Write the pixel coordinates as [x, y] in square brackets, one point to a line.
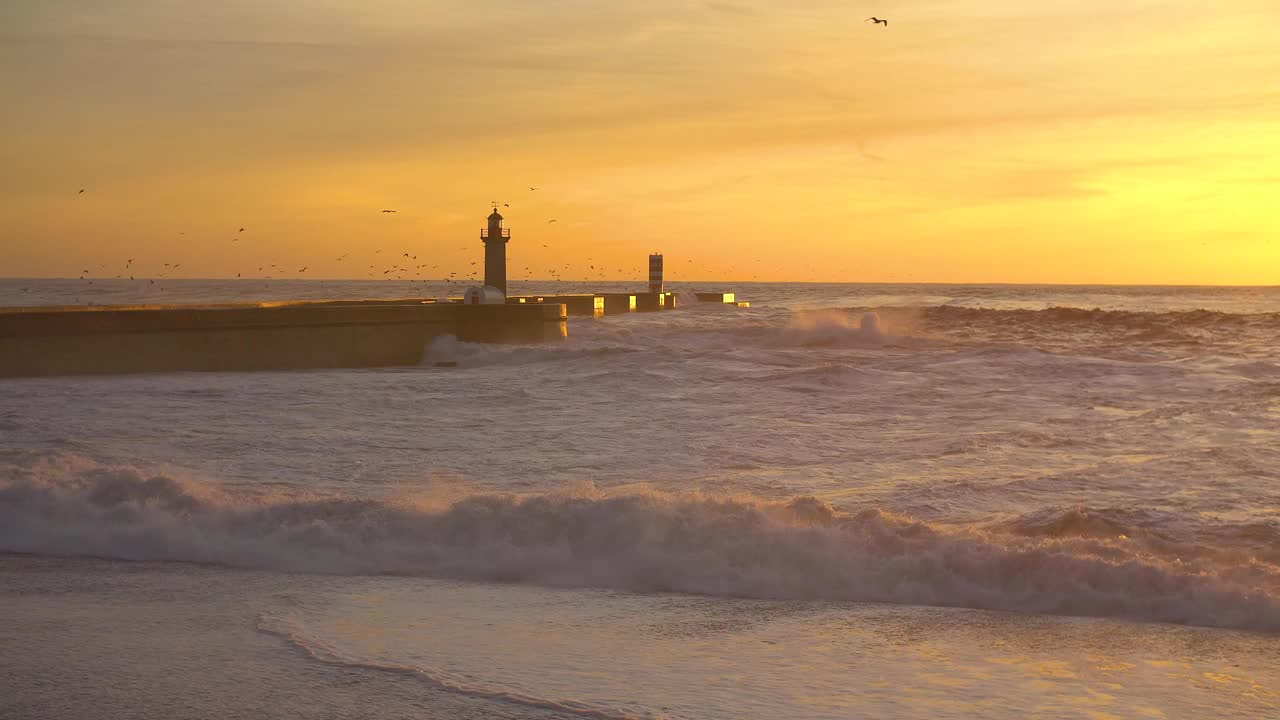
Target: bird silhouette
[388, 211]
[81, 191]
[551, 221]
[531, 188]
[241, 229]
[877, 21]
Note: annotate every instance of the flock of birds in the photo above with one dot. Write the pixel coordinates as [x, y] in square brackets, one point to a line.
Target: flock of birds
[405, 267]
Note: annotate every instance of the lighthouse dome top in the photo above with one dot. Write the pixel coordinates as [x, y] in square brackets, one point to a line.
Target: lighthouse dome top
[495, 215]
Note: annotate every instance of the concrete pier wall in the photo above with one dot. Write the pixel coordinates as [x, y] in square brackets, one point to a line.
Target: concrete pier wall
[619, 303]
[650, 302]
[575, 305]
[509, 323]
[71, 341]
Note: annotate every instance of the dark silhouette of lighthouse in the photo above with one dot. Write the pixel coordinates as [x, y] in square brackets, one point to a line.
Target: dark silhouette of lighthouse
[495, 239]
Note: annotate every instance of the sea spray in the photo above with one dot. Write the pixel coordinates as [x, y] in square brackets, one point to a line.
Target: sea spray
[640, 541]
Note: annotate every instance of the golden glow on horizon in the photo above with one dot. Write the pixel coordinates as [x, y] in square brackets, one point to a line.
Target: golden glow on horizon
[971, 141]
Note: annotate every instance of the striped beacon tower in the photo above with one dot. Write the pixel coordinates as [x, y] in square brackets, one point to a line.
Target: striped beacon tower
[655, 273]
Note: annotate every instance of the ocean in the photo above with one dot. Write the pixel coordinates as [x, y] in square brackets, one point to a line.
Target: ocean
[846, 501]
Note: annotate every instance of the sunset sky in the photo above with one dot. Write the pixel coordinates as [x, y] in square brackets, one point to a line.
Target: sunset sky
[1125, 141]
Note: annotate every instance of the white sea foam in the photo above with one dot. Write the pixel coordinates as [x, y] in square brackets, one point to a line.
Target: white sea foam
[641, 541]
[838, 328]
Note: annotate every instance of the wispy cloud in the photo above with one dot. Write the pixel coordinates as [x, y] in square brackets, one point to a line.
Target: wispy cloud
[991, 107]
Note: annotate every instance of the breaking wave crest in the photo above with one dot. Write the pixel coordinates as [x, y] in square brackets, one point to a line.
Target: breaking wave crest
[640, 541]
[1197, 328]
[1133, 319]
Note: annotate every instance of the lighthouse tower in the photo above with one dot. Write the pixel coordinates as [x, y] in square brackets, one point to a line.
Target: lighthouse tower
[495, 239]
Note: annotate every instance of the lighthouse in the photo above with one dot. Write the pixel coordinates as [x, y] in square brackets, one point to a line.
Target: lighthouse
[655, 273]
[495, 239]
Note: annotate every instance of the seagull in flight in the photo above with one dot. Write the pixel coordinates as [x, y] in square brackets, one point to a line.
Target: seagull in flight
[551, 221]
[388, 211]
[877, 21]
[81, 191]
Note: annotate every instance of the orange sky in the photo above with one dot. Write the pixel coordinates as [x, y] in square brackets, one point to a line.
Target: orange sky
[1123, 141]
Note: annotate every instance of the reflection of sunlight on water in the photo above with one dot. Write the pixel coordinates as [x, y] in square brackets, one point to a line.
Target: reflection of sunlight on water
[1120, 412]
[703, 658]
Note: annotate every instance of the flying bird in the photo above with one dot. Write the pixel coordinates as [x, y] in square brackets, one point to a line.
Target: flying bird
[388, 211]
[241, 229]
[877, 21]
[81, 191]
[551, 221]
[532, 188]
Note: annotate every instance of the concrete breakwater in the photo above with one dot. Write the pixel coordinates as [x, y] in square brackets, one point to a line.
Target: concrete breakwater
[49, 341]
[271, 336]
[601, 304]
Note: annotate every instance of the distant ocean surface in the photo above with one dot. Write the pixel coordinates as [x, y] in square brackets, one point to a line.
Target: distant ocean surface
[847, 501]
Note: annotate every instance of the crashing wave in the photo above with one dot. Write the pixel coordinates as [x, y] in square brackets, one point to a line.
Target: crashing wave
[646, 542]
